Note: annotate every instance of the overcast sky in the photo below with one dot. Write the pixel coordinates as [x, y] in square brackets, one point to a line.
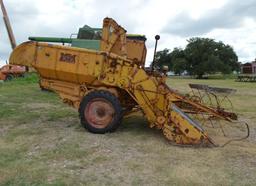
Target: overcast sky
[231, 21]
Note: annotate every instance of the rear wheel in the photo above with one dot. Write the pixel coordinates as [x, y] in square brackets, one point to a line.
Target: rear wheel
[9, 77]
[100, 112]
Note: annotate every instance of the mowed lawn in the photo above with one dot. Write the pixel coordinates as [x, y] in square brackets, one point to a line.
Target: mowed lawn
[42, 143]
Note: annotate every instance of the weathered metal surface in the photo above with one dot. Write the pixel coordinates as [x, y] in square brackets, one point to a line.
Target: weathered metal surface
[73, 72]
[99, 113]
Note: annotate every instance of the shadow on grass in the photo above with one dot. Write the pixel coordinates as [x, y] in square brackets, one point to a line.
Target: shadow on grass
[137, 126]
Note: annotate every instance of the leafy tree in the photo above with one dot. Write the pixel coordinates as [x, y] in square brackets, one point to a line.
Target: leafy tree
[171, 59]
[163, 59]
[206, 56]
[179, 65]
[178, 60]
[201, 56]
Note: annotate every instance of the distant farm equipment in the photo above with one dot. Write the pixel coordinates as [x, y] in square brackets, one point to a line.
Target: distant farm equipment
[8, 72]
[248, 72]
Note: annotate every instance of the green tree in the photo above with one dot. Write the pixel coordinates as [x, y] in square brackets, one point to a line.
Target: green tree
[206, 56]
[178, 60]
[201, 56]
[163, 59]
[175, 60]
[179, 65]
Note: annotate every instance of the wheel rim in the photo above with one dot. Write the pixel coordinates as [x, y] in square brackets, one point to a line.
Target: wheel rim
[99, 113]
[8, 77]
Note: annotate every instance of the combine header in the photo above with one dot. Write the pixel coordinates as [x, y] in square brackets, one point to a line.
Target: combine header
[102, 75]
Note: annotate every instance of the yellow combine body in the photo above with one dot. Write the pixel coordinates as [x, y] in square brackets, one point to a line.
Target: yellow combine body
[108, 83]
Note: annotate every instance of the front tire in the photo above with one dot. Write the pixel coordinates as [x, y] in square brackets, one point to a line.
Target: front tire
[100, 112]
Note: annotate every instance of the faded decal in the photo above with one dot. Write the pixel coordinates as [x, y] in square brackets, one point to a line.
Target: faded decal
[69, 58]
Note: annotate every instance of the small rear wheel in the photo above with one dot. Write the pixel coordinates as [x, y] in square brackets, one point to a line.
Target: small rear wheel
[9, 77]
[100, 112]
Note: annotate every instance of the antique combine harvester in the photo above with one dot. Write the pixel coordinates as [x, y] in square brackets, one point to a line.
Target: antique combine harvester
[101, 73]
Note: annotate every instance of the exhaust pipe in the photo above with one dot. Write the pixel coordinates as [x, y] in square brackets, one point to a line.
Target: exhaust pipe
[157, 37]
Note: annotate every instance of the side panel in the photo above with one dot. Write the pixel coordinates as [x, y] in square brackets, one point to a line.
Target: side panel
[136, 51]
[69, 64]
[57, 62]
[24, 54]
[45, 62]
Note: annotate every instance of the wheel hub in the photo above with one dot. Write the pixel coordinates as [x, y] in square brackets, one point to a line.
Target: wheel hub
[99, 113]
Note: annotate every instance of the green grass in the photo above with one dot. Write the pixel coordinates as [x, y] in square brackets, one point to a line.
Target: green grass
[42, 143]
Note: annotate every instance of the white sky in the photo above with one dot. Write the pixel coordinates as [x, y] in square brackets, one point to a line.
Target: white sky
[232, 21]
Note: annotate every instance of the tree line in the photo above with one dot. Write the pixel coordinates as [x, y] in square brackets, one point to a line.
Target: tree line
[200, 56]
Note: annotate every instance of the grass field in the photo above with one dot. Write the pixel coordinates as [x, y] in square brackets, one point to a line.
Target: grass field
[42, 143]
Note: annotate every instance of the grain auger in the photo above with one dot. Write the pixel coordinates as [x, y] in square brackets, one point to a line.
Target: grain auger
[101, 73]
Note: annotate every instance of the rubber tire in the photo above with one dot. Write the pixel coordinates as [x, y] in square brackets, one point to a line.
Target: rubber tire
[9, 77]
[111, 127]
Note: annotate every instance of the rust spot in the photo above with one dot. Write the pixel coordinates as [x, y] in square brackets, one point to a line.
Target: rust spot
[113, 64]
[186, 131]
[99, 113]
